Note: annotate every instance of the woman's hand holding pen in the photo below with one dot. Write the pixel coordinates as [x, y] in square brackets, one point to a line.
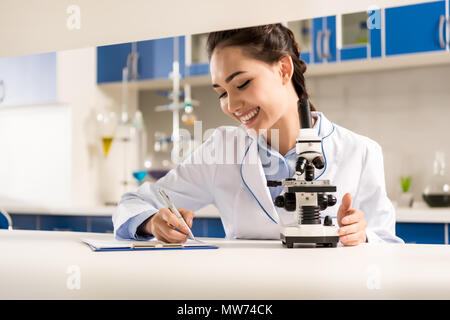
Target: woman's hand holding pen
[352, 224]
[167, 227]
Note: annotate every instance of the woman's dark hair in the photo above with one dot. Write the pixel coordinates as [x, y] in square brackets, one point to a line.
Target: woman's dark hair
[268, 43]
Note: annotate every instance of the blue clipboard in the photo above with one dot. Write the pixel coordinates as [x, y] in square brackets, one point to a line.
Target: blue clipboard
[111, 244]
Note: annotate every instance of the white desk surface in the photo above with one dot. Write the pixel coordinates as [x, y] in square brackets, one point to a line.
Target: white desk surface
[36, 265]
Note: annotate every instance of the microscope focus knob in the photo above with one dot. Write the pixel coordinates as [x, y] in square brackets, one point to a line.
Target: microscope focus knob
[331, 200]
[279, 201]
[328, 221]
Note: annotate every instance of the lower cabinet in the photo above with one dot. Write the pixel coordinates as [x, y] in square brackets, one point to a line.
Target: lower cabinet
[422, 233]
[202, 227]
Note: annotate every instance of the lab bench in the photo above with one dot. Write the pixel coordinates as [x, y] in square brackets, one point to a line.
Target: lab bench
[58, 265]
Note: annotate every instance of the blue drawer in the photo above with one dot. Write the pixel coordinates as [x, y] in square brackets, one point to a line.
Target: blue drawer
[24, 221]
[423, 233]
[100, 224]
[63, 223]
[208, 227]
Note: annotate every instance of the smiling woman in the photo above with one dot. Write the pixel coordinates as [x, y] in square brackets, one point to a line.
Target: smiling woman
[259, 79]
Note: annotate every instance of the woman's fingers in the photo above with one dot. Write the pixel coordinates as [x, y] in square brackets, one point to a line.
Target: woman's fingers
[188, 216]
[353, 239]
[167, 233]
[352, 228]
[352, 216]
[173, 221]
[169, 228]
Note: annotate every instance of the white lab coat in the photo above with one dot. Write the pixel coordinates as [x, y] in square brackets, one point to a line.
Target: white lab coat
[226, 171]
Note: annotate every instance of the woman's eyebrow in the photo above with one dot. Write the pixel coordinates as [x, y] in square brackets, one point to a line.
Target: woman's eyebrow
[229, 78]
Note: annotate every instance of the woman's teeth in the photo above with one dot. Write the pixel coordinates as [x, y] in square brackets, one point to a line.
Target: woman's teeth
[250, 115]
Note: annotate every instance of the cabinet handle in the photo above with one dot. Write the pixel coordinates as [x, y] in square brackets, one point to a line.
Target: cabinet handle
[326, 44]
[447, 36]
[319, 44]
[441, 31]
[2, 91]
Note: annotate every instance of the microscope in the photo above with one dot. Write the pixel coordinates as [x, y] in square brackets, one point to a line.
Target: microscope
[304, 194]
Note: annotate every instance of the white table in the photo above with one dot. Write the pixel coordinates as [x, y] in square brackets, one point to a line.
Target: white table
[56, 265]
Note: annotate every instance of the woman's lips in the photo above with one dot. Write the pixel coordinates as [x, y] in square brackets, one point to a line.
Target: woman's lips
[250, 116]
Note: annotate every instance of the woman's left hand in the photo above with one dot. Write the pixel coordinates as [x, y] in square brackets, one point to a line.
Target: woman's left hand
[352, 225]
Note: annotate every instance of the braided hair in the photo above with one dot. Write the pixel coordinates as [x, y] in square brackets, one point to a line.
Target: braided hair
[267, 43]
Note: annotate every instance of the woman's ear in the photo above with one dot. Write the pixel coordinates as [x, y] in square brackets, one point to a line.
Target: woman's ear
[286, 69]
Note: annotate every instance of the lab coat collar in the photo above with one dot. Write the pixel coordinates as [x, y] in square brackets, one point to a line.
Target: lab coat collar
[323, 125]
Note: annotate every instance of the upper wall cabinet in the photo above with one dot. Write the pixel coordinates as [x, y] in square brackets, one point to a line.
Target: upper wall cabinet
[359, 35]
[416, 28]
[197, 55]
[303, 34]
[324, 39]
[155, 59]
[28, 80]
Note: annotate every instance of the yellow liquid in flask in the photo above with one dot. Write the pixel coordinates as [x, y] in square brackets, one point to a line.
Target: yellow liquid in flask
[107, 141]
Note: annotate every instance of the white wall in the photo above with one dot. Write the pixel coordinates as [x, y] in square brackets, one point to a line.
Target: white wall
[35, 154]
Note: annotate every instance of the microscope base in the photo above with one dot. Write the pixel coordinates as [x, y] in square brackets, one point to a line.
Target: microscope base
[318, 235]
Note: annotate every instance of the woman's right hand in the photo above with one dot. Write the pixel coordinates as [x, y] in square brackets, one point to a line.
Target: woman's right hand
[167, 227]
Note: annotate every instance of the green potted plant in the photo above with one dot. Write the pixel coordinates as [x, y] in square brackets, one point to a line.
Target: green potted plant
[406, 198]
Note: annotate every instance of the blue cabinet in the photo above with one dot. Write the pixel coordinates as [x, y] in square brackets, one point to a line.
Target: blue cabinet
[208, 227]
[201, 227]
[156, 58]
[28, 80]
[422, 233]
[110, 62]
[154, 62]
[324, 39]
[415, 28]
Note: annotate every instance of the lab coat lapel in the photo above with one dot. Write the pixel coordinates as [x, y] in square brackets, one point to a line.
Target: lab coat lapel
[326, 131]
[254, 179]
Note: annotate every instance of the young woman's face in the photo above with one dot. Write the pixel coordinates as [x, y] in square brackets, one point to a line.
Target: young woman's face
[250, 91]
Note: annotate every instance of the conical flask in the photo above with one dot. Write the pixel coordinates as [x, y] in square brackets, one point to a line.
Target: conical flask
[107, 123]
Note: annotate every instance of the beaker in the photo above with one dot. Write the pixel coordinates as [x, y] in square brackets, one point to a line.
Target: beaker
[437, 192]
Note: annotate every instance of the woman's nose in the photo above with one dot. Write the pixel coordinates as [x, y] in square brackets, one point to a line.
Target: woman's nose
[234, 105]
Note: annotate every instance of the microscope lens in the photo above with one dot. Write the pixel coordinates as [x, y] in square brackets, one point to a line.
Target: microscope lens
[309, 173]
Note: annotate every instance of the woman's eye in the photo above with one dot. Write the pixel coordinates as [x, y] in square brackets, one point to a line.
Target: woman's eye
[244, 84]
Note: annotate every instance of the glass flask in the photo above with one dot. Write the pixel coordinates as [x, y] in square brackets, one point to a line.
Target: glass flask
[107, 124]
[437, 192]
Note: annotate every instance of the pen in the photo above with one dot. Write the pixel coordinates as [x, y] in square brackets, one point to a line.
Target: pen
[172, 208]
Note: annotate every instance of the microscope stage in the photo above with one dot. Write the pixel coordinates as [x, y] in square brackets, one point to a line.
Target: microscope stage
[310, 234]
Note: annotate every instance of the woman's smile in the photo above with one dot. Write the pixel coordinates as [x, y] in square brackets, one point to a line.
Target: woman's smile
[249, 116]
